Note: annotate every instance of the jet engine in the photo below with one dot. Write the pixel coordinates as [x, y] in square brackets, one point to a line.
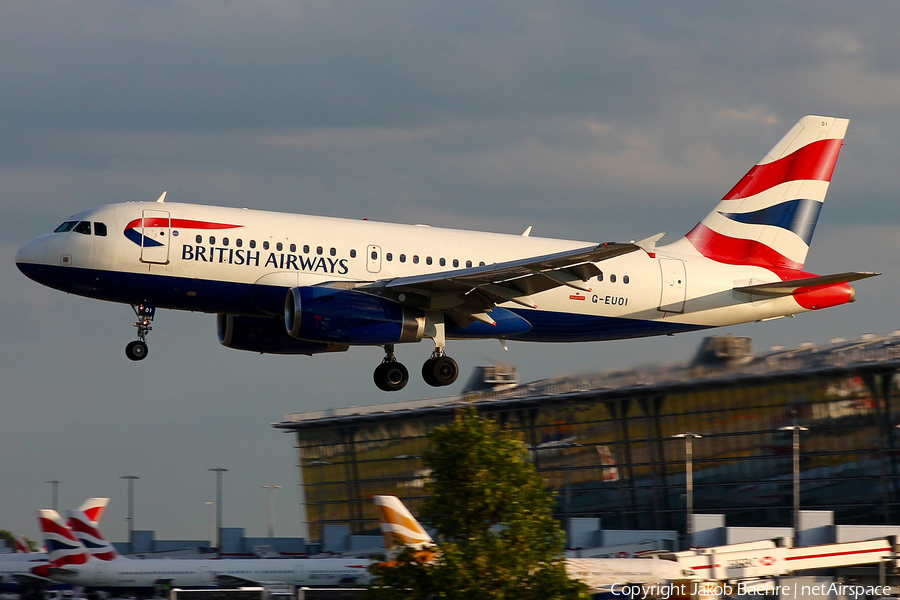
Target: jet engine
[265, 335]
[349, 317]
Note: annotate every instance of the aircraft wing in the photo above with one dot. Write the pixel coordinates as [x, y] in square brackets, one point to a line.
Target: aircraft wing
[786, 288]
[475, 290]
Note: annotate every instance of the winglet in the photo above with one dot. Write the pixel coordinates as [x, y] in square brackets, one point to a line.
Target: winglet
[162, 198]
[527, 232]
[648, 245]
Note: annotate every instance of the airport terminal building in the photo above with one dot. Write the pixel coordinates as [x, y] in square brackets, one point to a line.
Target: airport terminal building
[605, 441]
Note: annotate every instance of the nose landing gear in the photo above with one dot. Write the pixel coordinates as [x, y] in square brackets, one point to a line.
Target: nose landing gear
[137, 350]
[391, 375]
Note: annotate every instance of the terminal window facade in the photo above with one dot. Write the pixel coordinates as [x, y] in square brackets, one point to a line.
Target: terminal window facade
[616, 459]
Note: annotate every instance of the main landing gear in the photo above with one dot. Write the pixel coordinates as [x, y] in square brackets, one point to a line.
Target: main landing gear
[438, 371]
[137, 350]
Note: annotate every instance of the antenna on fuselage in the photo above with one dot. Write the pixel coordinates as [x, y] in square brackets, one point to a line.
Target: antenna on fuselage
[162, 198]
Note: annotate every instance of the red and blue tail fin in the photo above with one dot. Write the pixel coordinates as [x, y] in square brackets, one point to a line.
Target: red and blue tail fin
[63, 548]
[22, 545]
[89, 536]
[769, 217]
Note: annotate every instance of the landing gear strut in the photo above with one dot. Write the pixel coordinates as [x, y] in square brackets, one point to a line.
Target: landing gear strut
[440, 369]
[391, 375]
[137, 350]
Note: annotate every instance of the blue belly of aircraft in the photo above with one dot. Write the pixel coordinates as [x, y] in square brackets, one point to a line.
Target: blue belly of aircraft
[183, 293]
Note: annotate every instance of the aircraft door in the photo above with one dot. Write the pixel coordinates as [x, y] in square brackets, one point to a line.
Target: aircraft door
[101, 573]
[155, 231]
[674, 285]
[373, 259]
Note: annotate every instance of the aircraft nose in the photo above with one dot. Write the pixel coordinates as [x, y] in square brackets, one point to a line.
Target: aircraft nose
[31, 256]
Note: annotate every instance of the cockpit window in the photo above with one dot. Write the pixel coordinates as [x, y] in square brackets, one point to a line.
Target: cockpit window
[83, 227]
[100, 229]
[67, 226]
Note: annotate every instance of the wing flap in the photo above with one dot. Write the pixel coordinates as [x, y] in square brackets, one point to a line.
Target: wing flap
[786, 288]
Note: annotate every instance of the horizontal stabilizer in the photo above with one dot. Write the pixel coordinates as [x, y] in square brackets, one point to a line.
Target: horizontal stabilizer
[786, 288]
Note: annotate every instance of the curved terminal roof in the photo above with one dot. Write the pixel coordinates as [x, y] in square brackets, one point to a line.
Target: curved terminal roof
[714, 366]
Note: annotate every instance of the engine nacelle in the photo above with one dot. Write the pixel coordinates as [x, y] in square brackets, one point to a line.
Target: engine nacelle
[347, 317]
[265, 335]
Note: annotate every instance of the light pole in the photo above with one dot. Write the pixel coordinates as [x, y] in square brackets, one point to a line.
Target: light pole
[689, 481]
[55, 484]
[271, 489]
[130, 518]
[212, 523]
[218, 471]
[796, 429]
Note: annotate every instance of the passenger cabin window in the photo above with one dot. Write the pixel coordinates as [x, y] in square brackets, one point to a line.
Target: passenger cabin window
[265, 245]
[293, 247]
[353, 254]
[427, 260]
[468, 264]
[333, 251]
[625, 279]
[279, 246]
[612, 278]
[224, 241]
[403, 258]
[239, 242]
[389, 256]
[253, 243]
[100, 229]
[83, 227]
[67, 226]
[455, 262]
[415, 259]
[305, 248]
[443, 261]
[199, 239]
[319, 250]
[212, 239]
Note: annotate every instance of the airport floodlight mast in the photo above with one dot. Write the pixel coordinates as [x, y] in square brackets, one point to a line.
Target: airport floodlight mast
[130, 517]
[271, 519]
[212, 521]
[689, 482]
[55, 484]
[218, 471]
[796, 452]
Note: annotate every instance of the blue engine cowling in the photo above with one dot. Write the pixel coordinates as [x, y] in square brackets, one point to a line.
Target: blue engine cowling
[348, 317]
[265, 335]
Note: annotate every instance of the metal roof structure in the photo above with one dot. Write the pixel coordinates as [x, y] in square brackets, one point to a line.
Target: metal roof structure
[715, 366]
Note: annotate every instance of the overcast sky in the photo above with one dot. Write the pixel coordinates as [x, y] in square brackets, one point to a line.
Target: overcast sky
[589, 120]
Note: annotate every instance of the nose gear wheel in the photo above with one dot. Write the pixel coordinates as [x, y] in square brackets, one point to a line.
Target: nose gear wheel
[137, 350]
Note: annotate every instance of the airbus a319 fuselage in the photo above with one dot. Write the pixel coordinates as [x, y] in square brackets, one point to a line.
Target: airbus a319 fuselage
[300, 284]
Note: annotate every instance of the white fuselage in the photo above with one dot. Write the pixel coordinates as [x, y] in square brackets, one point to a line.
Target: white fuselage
[238, 261]
[195, 573]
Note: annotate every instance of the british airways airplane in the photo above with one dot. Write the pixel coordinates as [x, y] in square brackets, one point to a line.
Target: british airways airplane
[299, 284]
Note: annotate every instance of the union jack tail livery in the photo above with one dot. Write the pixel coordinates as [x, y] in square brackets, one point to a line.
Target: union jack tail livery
[22, 545]
[89, 536]
[399, 526]
[769, 217]
[93, 509]
[63, 548]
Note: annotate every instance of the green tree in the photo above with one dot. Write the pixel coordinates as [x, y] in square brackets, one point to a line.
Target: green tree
[493, 517]
[7, 538]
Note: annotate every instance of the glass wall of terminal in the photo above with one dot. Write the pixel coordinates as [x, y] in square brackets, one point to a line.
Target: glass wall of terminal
[616, 458]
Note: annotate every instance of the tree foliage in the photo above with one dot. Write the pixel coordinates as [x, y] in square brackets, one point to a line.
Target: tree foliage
[493, 518]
